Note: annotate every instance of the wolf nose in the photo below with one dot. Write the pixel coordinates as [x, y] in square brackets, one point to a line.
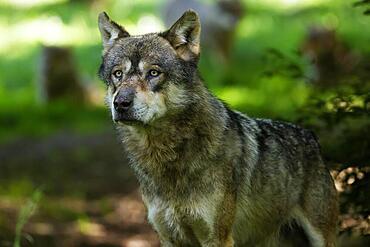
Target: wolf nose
[124, 100]
[122, 105]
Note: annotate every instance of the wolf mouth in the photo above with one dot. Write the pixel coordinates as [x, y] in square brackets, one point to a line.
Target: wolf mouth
[127, 121]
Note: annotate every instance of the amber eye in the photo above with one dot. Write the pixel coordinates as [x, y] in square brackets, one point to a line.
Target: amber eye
[117, 73]
[153, 73]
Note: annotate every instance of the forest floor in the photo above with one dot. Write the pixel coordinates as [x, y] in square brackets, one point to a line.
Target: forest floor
[89, 194]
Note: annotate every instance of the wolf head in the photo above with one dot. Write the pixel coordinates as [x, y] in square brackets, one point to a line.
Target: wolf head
[149, 76]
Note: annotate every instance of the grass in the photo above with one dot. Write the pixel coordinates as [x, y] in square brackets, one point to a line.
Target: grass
[36, 120]
[25, 213]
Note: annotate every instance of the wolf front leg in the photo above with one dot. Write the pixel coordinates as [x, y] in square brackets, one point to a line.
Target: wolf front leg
[165, 237]
[228, 242]
[219, 233]
[225, 216]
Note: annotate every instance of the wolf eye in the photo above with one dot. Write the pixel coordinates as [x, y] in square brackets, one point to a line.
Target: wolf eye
[117, 73]
[154, 73]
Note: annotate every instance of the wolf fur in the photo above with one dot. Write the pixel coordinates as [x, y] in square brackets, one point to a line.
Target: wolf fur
[209, 176]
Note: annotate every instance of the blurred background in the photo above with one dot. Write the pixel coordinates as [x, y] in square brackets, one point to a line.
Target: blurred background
[64, 179]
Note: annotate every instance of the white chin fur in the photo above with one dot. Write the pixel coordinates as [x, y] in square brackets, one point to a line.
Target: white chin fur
[149, 106]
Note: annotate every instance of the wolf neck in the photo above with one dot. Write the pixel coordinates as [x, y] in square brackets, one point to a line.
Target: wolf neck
[196, 131]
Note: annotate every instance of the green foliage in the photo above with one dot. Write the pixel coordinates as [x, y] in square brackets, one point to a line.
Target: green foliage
[26, 212]
[340, 120]
[32, 120]
[340, 116]
[264, 65]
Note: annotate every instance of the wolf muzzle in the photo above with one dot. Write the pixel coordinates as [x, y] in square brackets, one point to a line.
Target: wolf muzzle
[123, 103]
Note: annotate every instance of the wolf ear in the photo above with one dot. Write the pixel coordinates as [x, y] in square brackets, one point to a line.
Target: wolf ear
[110, 31]
[184, 35]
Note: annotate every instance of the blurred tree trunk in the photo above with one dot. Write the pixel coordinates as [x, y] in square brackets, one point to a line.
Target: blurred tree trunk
[58, 76]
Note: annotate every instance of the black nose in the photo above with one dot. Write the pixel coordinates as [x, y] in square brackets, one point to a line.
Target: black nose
[124, 99]
[121, 105]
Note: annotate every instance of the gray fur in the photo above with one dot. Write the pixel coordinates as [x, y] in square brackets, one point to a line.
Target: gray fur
[211, 176]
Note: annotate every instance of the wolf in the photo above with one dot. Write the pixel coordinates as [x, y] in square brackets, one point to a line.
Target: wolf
[208, 175]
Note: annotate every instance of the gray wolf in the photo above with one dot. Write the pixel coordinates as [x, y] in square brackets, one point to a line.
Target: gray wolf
[209, 176]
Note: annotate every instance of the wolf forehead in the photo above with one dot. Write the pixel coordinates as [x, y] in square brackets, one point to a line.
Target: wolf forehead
[148, 48]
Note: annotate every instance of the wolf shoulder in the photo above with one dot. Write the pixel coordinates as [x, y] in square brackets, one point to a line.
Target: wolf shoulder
[276, 139]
